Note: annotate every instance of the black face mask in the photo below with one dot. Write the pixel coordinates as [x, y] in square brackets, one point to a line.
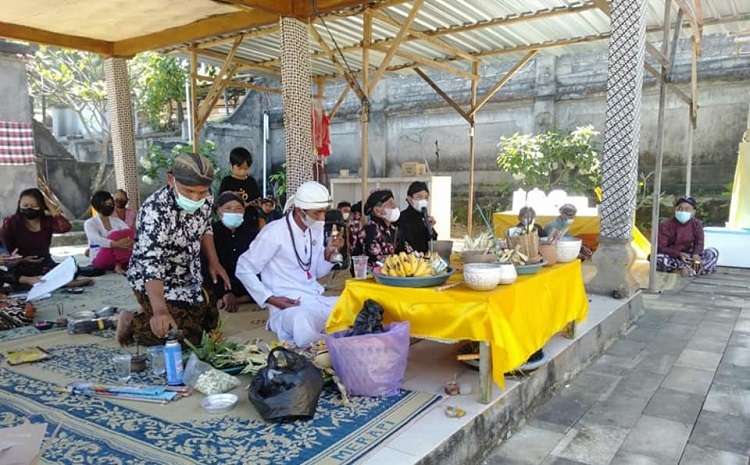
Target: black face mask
[107, 210]
[31, 213]
[121, 203]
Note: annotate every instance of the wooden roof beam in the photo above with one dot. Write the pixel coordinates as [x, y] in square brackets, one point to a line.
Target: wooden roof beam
[504, 80]
[297, 9]
[245, 36]
[351, 81]
[240, 84]
[339, 102]
[457, 29]
[442, 93]
[418, 35]
[693, 20]
[40, 36]
[544, 14]
[244, 64]
[228, 68]
[277, 7]
[203, 29]
[400, 36]
[439, 64]
[671, 85]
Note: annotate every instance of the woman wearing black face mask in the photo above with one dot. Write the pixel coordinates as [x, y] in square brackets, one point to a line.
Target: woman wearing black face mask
[110, 239]
[30, 231]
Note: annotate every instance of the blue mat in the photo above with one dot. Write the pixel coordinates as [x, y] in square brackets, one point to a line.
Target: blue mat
[94, 430]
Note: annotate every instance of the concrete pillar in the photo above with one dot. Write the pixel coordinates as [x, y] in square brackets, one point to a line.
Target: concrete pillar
[122, 128]
[15, 106]
[614, 257]
[296, 90]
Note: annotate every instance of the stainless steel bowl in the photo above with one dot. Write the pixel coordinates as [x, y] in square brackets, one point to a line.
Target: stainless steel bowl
[82, 315]
[219, 403]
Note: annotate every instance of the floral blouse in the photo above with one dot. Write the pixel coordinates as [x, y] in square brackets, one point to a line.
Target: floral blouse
[377, 241]
[167, 246]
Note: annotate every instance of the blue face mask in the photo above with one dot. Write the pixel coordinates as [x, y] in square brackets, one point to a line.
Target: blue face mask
[190, 206]
[232, 220]
[682, 217]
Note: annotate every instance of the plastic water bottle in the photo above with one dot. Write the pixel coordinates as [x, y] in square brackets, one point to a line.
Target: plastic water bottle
[173, 359]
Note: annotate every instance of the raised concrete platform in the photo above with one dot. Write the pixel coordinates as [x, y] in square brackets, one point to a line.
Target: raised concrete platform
[437, 439]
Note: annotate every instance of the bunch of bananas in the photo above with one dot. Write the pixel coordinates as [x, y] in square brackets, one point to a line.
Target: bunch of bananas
[407, 265]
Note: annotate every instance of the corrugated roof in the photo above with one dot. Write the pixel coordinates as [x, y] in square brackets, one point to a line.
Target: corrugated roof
[514, 28]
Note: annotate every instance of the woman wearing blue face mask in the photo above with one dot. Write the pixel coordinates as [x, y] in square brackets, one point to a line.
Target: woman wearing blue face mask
[681, 245]
[233, 232]
[172, 229]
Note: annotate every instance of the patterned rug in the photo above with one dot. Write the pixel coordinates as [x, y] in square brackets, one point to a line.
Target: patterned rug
[93, 430]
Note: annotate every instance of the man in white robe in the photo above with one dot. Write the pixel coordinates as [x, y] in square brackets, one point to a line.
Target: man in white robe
[290, 256]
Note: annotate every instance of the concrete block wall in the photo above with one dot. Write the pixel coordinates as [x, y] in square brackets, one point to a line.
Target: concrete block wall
[15, 105]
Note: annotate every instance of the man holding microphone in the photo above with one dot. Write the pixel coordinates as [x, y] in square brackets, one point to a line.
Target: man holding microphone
[415, 223]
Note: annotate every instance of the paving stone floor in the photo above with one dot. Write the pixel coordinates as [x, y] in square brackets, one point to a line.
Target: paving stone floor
[674, 389]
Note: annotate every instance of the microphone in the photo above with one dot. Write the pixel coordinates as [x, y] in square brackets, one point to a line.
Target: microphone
[426, 217]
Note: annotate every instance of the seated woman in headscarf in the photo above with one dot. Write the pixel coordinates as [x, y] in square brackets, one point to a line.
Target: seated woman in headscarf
[380, 237]
[681, 244]
[233, 234]
[110, 239]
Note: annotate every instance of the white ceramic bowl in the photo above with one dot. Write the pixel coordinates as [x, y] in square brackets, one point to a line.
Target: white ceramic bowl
[568, 249]
[508, 273]
[486, 276]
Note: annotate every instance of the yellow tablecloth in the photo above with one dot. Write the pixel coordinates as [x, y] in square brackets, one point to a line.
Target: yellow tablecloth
[516, 319]
[583, 226]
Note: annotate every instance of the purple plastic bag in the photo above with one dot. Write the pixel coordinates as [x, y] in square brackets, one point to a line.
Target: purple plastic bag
[371, 365]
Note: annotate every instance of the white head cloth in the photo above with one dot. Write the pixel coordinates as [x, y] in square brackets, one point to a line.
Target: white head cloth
[311, 195]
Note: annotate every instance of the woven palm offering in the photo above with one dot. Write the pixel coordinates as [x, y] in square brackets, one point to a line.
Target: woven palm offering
[526, 242]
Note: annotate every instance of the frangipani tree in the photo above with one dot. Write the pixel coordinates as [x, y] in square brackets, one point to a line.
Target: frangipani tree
[554, 160]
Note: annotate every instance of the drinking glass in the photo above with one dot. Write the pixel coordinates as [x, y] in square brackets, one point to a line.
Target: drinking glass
[156, 355]
[360, 266]
[122, 367]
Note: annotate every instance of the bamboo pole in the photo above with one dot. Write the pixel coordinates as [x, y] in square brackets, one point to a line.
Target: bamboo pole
[366, 42]
[689, 167]
[194, 98]
[472, 147]
[659, 152]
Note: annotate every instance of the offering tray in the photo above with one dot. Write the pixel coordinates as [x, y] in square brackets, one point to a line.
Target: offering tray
[530, 268]
[422, 281]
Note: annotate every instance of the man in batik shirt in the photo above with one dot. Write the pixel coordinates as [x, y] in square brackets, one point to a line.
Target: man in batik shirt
[173, 225]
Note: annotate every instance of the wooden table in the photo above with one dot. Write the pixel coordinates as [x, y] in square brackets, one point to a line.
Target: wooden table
[511, 322]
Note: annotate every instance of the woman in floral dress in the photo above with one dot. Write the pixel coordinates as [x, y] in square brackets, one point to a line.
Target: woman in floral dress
[380, 237]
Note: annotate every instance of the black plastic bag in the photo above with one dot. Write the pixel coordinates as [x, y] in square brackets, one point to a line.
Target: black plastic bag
[287, 389]
[369, 320]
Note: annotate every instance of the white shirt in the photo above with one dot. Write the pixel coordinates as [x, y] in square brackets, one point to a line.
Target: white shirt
[271, 255]
[97, 234]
